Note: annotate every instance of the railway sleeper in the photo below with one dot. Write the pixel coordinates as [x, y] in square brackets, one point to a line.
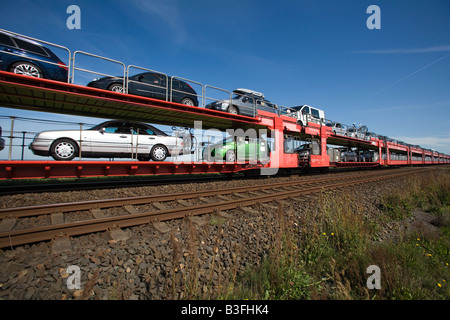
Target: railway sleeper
[57, 218]
[161, 226]
[248, 210]
[7, 224]
[61, 244]
[117, 234]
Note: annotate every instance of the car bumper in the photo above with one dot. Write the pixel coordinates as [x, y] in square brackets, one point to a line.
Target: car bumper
[220, 107]
[39, 148]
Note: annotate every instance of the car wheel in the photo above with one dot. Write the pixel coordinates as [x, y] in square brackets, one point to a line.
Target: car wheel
[230, 156]
[116, 87]
[159, 153]
[27, 69]
[233, 110]
[64, 149]
[188, 102]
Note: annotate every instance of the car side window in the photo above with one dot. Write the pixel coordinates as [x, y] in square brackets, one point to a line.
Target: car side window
[6, 40]
[116, 127]
[247, 100]
[153, 79]
[143, 130]
[111, 129]
[315, 113]
[25, 45]
[175, 84]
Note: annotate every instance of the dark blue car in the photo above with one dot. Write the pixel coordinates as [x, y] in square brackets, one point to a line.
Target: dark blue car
[27, 57]
[151, 84]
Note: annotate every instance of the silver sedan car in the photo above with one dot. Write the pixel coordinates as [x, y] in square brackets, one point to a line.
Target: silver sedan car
[110, 139]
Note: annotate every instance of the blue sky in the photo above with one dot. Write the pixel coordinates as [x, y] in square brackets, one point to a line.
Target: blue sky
[396, 79]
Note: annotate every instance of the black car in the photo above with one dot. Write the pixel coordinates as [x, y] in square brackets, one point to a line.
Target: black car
[26, 57]
[152, 85]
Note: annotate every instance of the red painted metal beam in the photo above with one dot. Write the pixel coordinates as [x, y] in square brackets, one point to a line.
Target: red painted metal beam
[65, 169]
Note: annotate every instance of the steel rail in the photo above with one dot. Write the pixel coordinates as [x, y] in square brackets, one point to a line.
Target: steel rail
[29, 211]
[25, 236]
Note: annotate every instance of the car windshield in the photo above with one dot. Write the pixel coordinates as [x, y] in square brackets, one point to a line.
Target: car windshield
[227, 140]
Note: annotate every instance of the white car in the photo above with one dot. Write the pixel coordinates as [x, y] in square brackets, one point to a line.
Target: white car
[110, 139]
[307, 114]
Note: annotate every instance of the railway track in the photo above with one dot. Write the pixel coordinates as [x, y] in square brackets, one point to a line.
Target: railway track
[103, 215]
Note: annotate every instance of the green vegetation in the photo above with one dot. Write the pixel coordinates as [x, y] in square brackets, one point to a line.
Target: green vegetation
[325, 255]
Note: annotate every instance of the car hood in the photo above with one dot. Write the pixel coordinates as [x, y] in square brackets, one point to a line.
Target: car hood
[59, 132]
[107, 79]
[227, 101]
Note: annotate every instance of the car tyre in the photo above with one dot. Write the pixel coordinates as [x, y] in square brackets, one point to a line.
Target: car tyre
[27, 69]
[232, 110]
[159, 153]
[64, 150]
[116, 87]
[230, 156]
[188, 102]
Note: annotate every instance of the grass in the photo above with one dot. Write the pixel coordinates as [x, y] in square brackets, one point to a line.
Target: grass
[325, 253]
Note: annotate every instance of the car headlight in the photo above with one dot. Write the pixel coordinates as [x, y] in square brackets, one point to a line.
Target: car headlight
[224, 105]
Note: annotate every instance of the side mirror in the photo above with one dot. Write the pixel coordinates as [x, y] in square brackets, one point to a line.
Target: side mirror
[102, 130]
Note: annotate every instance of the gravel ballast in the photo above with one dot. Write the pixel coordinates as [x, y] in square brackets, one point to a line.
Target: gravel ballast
[189, 258]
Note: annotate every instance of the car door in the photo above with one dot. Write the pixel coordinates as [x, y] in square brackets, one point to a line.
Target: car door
[113, 140]
[143, 139]
[8, 46]
[246, 106]
[147, 85]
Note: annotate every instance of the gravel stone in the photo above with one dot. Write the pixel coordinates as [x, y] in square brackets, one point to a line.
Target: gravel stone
[200, 258]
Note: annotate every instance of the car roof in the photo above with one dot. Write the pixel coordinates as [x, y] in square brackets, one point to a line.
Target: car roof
[248, 91]
[157, 131]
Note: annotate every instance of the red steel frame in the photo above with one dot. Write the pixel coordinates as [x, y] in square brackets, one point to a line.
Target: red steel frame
[30, 93]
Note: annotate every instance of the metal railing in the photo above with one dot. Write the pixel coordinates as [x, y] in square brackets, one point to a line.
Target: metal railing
[95, 72]
[205, 96]
[181, 83]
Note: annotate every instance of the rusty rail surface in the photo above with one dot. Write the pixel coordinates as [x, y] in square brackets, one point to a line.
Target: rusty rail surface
[270, 192]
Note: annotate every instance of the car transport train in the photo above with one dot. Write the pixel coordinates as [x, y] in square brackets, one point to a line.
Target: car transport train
[259, 136]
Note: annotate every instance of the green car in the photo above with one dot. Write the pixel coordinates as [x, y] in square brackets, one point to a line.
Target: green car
[238, 149]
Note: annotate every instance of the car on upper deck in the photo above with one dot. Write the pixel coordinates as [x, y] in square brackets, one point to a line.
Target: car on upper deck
[23, 56]
[307, 114]
[152, 85]
[244, 102]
